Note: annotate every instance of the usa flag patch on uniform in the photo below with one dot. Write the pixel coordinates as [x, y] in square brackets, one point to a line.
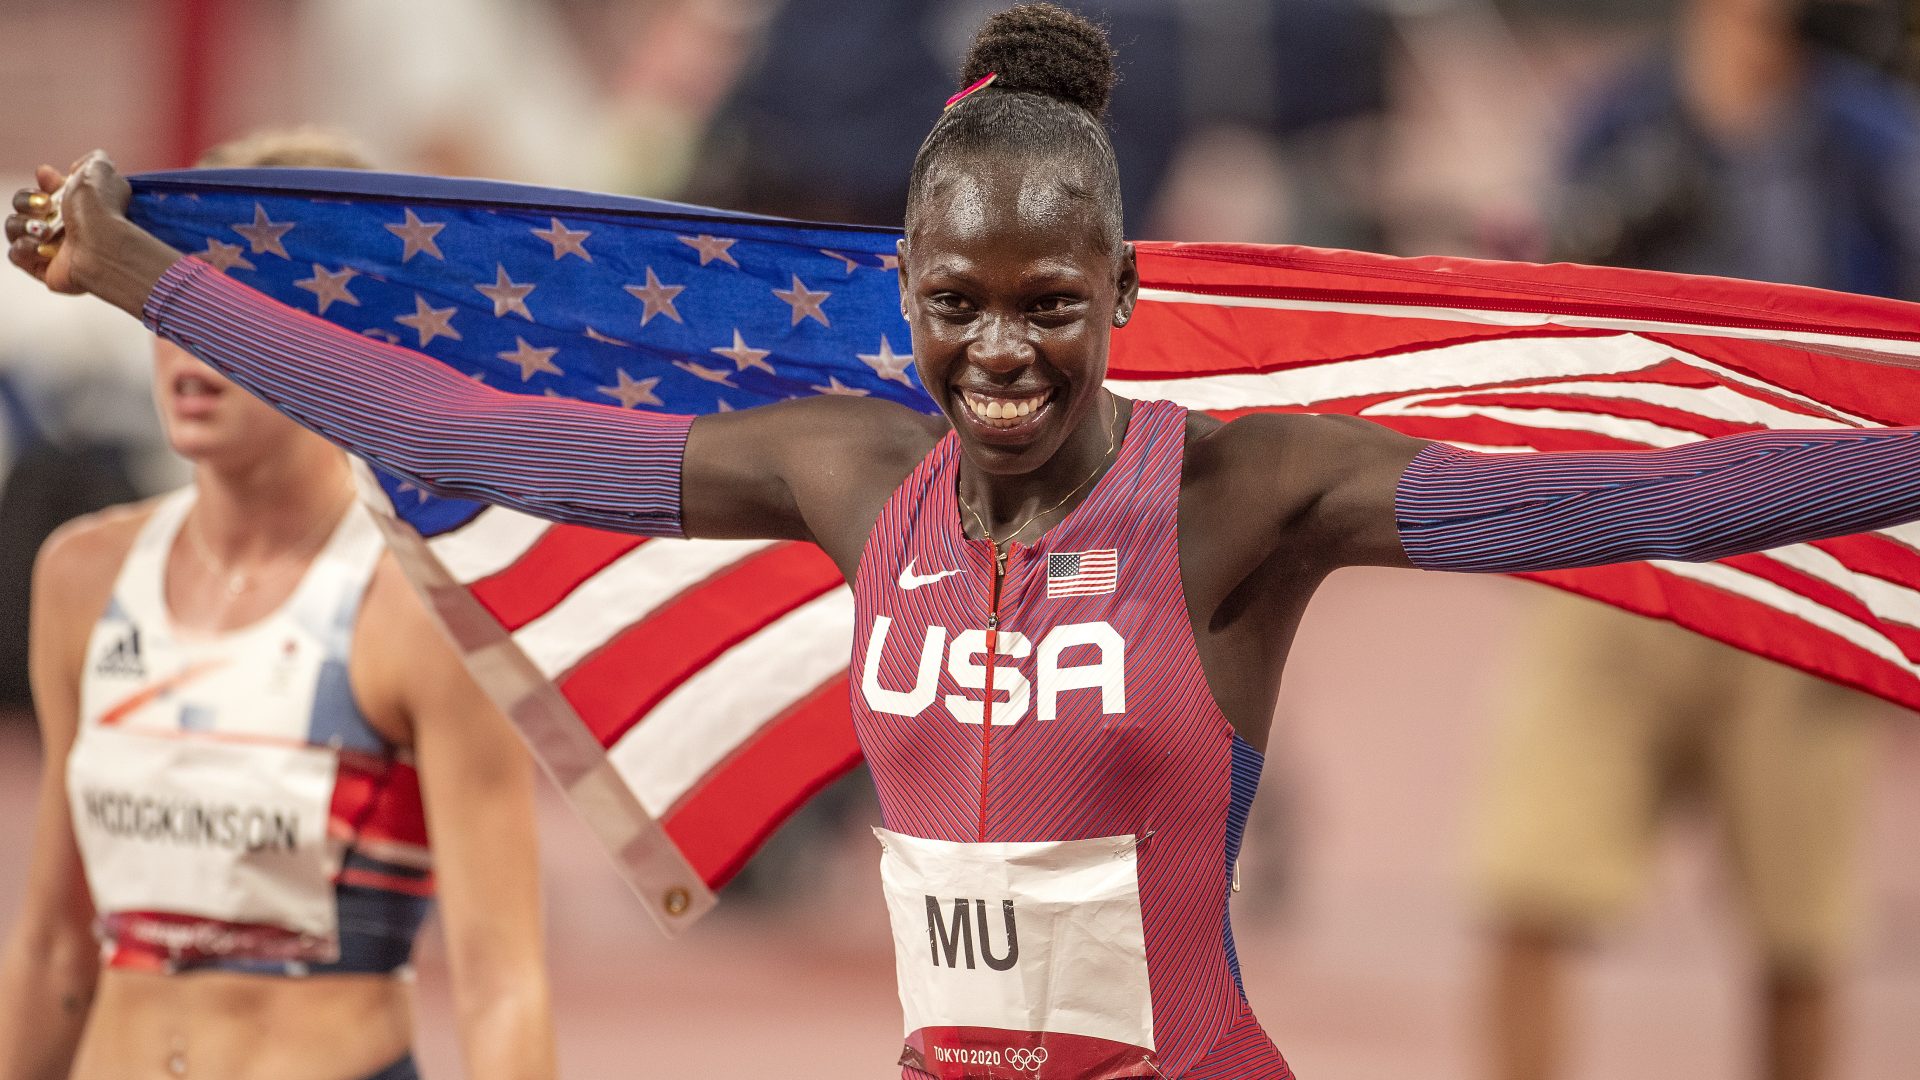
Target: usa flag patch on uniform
[1082, 573]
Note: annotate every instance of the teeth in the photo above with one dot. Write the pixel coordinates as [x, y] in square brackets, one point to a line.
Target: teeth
[1001, 412]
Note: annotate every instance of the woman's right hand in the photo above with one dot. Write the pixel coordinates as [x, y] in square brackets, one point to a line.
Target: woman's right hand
[98, 250]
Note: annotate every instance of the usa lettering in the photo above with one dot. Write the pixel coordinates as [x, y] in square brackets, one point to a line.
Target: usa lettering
[1101, 666]
[952, 942]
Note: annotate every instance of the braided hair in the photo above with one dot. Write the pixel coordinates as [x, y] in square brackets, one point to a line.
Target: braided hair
[1052, 76]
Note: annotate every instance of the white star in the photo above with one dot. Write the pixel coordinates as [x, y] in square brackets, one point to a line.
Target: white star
[887, 364]
[225, 256]
[711, 248]
[565, 241]
[429, 322]
[712, 375]
[632, 391]
[418, 236]
[658, 298]
[506, 295]
[852, 263]
[835, 386]
[595, 335]
[328, 286]
[530, 359]
[744, 357]
[720, 405]
[805, 303]
[263, 236]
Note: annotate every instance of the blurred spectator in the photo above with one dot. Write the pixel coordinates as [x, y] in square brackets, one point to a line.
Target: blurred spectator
[1745, 147]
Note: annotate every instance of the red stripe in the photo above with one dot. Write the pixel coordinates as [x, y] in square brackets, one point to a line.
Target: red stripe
[617, 685]
[562, 559]
[1286, 271]
[720, 822]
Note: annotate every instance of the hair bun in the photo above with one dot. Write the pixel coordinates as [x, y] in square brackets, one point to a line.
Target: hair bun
[1043, 49]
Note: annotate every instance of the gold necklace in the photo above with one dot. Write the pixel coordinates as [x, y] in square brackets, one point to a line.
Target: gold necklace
[238, 581]
[1113, 412]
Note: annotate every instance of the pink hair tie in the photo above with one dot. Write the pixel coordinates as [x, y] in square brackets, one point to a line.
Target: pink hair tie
[975, 88]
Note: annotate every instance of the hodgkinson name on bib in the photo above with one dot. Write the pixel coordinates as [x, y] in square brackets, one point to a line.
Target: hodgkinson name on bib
[1020, 961]
[204, 847]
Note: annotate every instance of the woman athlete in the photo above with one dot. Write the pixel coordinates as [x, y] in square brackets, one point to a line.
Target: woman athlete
[1072, 610]
[235, 688]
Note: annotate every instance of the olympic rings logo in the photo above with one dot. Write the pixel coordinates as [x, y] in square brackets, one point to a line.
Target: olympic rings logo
[1026, 1060]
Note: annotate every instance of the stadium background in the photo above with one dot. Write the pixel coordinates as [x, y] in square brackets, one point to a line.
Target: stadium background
[1417, 126]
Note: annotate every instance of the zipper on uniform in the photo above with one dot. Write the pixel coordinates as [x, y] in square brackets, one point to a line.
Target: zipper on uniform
[993, 645]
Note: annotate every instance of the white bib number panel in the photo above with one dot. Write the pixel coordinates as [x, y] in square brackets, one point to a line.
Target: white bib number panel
[205, 846]
[1020, 961]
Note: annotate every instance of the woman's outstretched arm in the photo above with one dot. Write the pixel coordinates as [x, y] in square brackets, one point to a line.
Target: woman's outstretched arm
[1507, 513]
[1385, 499]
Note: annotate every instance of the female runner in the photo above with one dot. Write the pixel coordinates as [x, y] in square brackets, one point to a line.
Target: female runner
[251, 726]
[1072, 610]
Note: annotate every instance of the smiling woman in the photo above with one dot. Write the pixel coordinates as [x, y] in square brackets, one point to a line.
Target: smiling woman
[1071, 610]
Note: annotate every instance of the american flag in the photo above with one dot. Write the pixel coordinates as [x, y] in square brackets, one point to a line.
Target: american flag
[1082, 573]
[688, 695]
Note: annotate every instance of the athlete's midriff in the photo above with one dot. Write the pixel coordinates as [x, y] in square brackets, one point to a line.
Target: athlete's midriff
[1102, 728]
[333, 1027]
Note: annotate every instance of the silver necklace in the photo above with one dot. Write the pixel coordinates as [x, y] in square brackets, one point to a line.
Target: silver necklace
[235, 580]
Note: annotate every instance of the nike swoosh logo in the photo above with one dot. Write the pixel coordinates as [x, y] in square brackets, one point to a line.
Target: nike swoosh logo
[911, 581]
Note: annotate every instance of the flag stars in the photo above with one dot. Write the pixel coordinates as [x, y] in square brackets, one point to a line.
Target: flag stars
[507, 296]
[888, 364]
[530, 360]
[565, 241]
[711, 248]
[224, 256]
[835, 386]
[329, 287]
[701, 371]
[631, 392]
[429, 322]
[744, 357]
[595, 335]
[889, 262]
[805, 302]
[658, 298]
[851, 263]
[418, 236]
[265, 234]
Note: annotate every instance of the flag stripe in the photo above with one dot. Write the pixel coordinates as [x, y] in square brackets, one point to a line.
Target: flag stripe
[631, 587]
[724, 818]
[562, 560]
[616, 686]
[696, 727]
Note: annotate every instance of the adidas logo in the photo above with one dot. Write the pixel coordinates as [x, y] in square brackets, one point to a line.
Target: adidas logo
[123, 658]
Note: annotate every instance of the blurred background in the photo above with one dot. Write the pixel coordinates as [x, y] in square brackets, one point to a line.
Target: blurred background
[1760, 138]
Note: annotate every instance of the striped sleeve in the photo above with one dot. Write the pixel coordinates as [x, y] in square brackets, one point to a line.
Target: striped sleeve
[1511, 513]
[570, 461]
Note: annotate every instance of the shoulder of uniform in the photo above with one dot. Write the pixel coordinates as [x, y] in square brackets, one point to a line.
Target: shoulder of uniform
[90, 548]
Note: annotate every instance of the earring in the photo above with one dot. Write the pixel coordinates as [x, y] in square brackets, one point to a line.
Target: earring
[1120, 318]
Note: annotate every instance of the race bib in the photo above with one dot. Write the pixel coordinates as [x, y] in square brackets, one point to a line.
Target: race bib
[196, 847]
[1020, 961]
